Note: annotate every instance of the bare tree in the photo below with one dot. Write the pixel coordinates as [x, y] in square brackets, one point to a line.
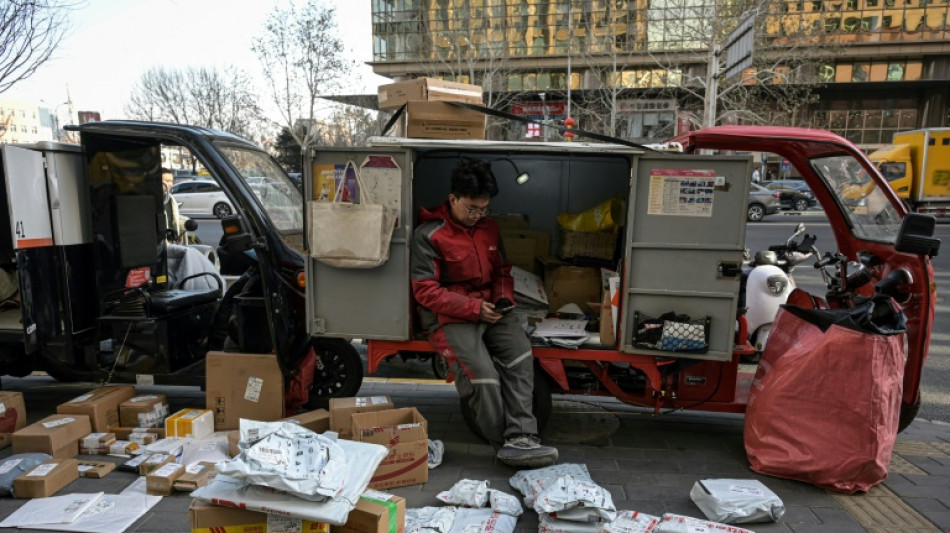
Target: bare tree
[672, 48]
[30, 30]
[222, 99]
[348, 125]
[302, 55]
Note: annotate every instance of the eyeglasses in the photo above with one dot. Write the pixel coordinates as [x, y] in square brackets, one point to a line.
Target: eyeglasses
[474, 212]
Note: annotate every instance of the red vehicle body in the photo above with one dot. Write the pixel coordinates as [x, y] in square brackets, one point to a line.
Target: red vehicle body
[719, 385]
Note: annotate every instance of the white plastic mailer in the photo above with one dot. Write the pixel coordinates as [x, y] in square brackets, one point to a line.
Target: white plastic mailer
[530, 483]
[482, 520]
[502, 502]
[430, 519]
[632, 522]
[577, 500]
[737, 501]
[674, 523]
[53, 510]
[111, 513]
[362, 460]
[549, 524]
[467, 492]
[289, 458]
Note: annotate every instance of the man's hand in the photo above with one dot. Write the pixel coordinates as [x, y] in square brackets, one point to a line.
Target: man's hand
[488, 313]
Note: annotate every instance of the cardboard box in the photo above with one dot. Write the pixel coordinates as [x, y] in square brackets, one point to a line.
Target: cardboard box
[598, 245]
[97, 441]
[95, 469]
[522, 247]
[12, 415]
[57, 435]
[317, 420]
[373, 514]
[394, 95]
[213, 519]
[123, 447]
[161, 481]
[243, 386]
[147, 411]
[608, 337]
[134, 464]
[100, 405]
[390, 427]
[46, 479]
[155, 461]
[195, 475]
[438, 120]
[190, 424]
[124, 433]
[342, 409]
[405, 464]
[511, 221]
[571, 284]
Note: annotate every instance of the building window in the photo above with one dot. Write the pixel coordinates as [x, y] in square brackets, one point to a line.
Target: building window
[869, 121]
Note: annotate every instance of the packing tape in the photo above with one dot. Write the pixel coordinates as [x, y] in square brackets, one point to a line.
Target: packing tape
[391, 506]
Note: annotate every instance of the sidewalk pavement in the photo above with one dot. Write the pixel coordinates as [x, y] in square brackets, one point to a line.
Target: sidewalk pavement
[648, 463]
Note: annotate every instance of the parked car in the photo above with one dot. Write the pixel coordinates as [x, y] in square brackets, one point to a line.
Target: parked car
[202, 198]
[762, 202]
[794, 194]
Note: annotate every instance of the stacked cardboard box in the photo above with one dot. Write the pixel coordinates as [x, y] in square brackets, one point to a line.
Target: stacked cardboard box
[213, 519]
[100, 405]
[428, 114]
[343, 409]
[190, 424]
[46, 479]
[147, 411]
[376, 512]
[57, 435]
[405, 433]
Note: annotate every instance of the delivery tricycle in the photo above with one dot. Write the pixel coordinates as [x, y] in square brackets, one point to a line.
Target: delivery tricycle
[680, 238]
[104, 294]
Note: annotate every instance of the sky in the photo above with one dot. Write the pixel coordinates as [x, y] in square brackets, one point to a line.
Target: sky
[112, 42]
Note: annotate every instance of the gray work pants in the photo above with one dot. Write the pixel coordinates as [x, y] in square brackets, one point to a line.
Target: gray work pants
[494, 372]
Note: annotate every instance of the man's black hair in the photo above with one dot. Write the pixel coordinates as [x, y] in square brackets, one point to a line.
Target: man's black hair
[473, 178]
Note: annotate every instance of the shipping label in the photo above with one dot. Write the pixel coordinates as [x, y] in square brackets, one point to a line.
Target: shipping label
[252, 392]
[58, 422]
[43, 469]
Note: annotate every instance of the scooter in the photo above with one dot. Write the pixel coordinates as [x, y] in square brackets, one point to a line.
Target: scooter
[767, 283]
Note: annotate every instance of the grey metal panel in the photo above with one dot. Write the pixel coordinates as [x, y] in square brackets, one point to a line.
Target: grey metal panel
[363, 303]
[69, 199]
[673, 258]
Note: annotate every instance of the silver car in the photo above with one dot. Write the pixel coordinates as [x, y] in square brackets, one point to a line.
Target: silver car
[762, 202]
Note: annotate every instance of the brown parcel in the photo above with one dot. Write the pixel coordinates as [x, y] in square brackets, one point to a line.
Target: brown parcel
[371, 514]
[394, 95]
[243, 386]
[404, 432]
[439, 120]
[57, 435]
[205, 517]
[522, 247]
[124, 433]
[95, 469]
[571, 284]
[12, 415]
[46, 479]
[101, 405]
[342, 410]
[608, 337]
[161, 481]
[146, 411]
[154, 462]
[195, 475]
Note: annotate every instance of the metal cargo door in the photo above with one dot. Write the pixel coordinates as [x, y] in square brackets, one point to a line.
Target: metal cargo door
[371, 303]
[685, 244]
[27, 199]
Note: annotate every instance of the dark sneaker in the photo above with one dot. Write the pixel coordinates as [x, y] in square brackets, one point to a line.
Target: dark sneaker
[526, 451]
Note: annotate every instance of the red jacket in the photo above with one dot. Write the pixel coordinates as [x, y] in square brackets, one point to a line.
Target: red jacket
[455, 268]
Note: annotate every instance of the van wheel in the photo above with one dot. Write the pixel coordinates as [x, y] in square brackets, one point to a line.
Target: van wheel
[439, 366]
[541, 405]
[756, 212]
[339, 372]
[221, 210]
[908, 414]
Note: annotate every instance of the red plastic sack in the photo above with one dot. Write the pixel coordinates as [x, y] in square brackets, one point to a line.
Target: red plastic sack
[824, 405]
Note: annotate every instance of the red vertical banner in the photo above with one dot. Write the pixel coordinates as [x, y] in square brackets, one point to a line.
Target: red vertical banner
[682, 122]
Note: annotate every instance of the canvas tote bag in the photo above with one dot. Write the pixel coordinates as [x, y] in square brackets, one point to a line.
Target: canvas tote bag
[347, 235]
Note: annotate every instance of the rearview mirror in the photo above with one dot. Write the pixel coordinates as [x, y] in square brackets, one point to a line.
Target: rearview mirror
[916, 235]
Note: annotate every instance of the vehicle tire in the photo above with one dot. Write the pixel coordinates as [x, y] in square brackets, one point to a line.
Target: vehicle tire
[541, 404]
[756, 212]
[439, 366]
[221, 210]
[908, 414]
[339, 372]
[801, 204]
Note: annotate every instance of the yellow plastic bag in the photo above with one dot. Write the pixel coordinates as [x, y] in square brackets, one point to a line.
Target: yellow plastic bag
[607, 216]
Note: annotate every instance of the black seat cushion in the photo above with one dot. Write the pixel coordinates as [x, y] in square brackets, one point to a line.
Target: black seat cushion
[172, 300]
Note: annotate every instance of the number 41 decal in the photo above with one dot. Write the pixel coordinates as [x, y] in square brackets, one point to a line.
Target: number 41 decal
[20, 232]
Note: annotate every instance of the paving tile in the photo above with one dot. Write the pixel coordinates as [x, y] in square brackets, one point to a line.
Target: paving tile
[652, 507]
[668, 465]
[163, 523]
[827, 528]
[922, 505]
[800, 515]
